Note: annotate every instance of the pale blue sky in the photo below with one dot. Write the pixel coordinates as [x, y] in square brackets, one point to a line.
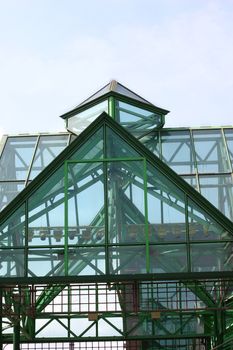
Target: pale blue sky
[178, 54]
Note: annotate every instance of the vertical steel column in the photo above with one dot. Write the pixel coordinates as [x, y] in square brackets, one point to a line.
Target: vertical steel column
[16, 329]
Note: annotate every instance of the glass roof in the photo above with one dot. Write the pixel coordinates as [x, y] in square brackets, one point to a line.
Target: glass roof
[23, 158]
[115, 86]
[102, 202]
[210, 173]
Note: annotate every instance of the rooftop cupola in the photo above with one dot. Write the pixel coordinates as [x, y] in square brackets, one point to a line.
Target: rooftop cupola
[132, 111]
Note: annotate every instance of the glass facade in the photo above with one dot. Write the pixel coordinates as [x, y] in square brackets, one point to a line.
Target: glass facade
[112, 246]
[106, 204]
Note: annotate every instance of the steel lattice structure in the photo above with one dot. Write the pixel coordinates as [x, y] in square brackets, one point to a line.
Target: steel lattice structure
[117, 234]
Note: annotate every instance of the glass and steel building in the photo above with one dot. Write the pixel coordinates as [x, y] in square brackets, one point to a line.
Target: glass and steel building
[117, 234]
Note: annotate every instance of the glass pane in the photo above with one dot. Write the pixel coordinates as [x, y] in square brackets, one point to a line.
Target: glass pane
[203, 227]
[91, 149]
[80, 121]
[16, 158]
[168, 258]
[191, 180]
[45, 262]
[8, 191]
[88, 261]
[127, 260]
[229, 138]
[117, 147]
[12, 263]
[212, 257]
[136, 119]
[166, 208]
[211, 152]
[48, 149]
[86, 223]
[219, 191]
[151, 141]
[12, 231]
[177, 151]
[46, 212]
[126, 208]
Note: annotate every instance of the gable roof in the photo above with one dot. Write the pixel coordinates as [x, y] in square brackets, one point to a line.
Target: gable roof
[102, 120]
[114, 88]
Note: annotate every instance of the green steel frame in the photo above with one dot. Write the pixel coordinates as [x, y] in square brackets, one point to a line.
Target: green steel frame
[146, 310]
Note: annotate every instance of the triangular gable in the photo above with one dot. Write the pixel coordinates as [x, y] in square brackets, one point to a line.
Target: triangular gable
[107, 192]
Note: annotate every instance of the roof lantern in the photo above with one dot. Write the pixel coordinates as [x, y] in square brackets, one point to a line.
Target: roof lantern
[132, 111]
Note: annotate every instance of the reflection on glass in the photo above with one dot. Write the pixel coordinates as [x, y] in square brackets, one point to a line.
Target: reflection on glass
[86, 215]
[91, 149]
[48, 149]
[88, 261]
[12, 231]
[166, 208]
[127, 260]
[218, 189]
[202, 227]
[117, 147]
[46, 262]
[46, 212]
[16, 158]
[80, 121]
[8, 191]
[12, 263]
[126, 208]
[211, 154]
[168, 258]
[212, 257]
[136, 119]
[151, 141]
[177, 151]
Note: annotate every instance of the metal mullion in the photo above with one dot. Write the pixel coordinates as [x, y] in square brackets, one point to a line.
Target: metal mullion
[187, 233]
[32, 160]
[146, 217]
[66, 217]
[194, 159]
[227, 150]
[107, 262]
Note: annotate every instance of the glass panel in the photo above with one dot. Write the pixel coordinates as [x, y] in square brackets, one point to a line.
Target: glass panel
[177, 151]
[219, 191]
[203, 227]
[136, 119]
[48, 149]
[166, 208]
[151, 141]
[12, 231]
[16, 158]
[92, 148]
[46, 212]
[8, 191]
[191, 180]
[86, 261]
[126, 208]
[80, 121]
[86, 204]
[168, 258]
[211, 152]
[229, 138]
[212, 257]
[12, 263]
[45, 262]
[117, 147]
[127, 260]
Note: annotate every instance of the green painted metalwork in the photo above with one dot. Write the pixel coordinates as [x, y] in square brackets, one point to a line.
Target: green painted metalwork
[108, 243]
